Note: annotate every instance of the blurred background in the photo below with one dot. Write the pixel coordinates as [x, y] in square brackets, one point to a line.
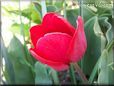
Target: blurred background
[17, 66]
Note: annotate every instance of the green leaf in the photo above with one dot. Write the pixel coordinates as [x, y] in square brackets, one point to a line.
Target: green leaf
[37, 8]
[103, 77]
[87, 13]
[100, 62]
[106, 75]
[9, 71]
[109, 33]
[54, 76]
[106, 65]
[72, 74]
[36, 17]
[49, 2]
[104, 7]
[94, 72]
[31, 13]
[41, 75]
[51, 8]
[97, 2]
[15, 28]
[73, 13]
[72, 16]
[95, 44]
[106, 28]
[26, 13]
[59, 4]
[22, 69]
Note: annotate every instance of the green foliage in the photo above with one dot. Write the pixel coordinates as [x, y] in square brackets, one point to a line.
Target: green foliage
[37, 9]
[97, 63]
[15, 28]
[94, 35]
[105, 64]
[72, 16]
[51, 8]
[9, 71]
[97, 1]
[88, 13]
[59, 4]
[54, 75]
[41, 73]
[30, 13]
[22, 69]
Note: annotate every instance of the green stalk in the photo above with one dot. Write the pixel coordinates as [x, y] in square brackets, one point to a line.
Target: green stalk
[71, 69]
[28, 58]
[81, 74]
[55, 77]
[94, 72]
[0, 50]
[81, 8]
[81, 14]
[72, 74]
[65, 15]
[30, 17]
[21, 25]
[44, 9]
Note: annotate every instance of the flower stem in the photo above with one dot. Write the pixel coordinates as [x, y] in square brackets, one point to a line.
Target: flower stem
[81, 74]
[55, 77]
[94, 72]
[81, 8]
[65, 15]
[21, 22]
[44, 9]
[72, 74]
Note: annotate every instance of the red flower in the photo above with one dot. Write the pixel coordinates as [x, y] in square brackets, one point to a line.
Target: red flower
[56, 42]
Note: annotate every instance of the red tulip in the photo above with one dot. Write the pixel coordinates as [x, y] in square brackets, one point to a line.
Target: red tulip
[57, 43]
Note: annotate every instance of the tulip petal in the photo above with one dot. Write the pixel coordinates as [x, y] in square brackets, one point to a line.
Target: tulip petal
[54, 46]
[55, 65]
[35, 33]
[78, 43]
[52, 22]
